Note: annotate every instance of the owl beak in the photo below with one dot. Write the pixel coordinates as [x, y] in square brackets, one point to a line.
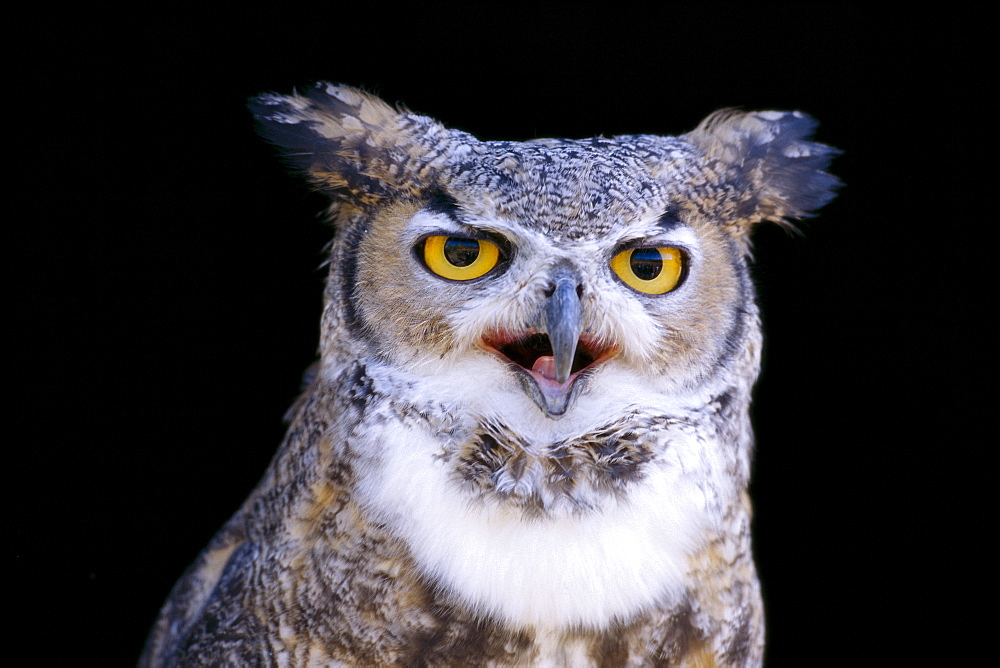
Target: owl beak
[562, 320]
[553, 356]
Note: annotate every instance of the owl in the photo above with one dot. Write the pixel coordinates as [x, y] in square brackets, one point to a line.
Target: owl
[527, 439]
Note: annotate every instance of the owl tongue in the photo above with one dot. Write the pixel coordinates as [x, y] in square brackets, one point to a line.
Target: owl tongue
[545, 366]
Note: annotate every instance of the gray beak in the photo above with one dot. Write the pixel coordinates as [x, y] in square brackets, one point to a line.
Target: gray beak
[562, 318]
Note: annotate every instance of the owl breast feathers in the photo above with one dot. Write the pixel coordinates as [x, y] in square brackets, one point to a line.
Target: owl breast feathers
[527, 441]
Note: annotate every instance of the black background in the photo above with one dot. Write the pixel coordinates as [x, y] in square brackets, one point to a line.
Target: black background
[166, 285]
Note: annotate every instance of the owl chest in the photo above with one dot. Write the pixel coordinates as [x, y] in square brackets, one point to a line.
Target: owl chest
[626, 553]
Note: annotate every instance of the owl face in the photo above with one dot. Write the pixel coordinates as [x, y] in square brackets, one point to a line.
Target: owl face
[562, 301]
[643, 297]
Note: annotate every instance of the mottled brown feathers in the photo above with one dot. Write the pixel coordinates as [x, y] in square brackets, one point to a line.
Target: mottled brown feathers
[362, 151]
[776, 173]
[444, 496]
[352, 145]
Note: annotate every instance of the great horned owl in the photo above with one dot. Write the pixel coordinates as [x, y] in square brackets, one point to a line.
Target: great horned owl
[527, 441]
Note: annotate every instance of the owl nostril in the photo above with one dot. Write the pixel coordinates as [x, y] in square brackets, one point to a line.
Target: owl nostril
[549, 291]
[561, 273]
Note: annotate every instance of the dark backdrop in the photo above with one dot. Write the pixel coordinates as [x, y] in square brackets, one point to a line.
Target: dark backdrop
[166, 284]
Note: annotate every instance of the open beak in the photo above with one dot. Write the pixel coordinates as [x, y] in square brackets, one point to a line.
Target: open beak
[551, 357]
[562, 320]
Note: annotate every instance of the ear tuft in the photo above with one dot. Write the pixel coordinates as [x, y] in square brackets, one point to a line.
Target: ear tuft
[351, 145]
[781, 172]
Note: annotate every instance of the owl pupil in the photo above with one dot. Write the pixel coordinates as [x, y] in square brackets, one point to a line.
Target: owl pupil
[461, 252]
[646, 263]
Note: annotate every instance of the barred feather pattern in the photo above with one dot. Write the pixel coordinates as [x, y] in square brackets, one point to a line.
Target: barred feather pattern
[446, 496]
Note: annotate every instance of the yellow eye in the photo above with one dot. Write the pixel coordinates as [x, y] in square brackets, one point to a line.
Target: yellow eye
[458, 258]
[654, 271]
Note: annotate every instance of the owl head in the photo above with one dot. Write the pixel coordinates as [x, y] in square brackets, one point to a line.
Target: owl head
[548, 271]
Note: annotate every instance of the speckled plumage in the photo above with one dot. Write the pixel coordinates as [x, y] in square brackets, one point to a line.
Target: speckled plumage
[442, 497]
